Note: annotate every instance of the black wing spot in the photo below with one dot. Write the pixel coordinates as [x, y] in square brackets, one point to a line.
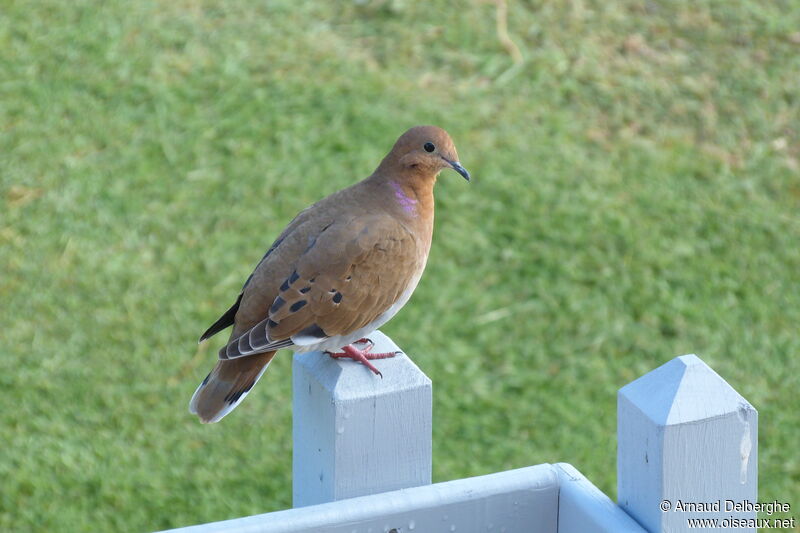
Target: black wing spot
[297, 306]
[305, 290]
[294, 277]
[271, 323]
[337, 297]
[277, 304]
[285, 286]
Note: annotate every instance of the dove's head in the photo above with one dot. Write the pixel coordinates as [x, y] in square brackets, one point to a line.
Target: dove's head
[426, 151]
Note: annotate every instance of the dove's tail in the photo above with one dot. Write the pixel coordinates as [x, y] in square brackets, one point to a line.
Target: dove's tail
[227, 385]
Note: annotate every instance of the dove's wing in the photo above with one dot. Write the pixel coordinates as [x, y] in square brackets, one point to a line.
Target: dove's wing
[352, 273]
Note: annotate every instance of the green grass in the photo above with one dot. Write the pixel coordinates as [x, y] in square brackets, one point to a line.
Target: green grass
[636, 194]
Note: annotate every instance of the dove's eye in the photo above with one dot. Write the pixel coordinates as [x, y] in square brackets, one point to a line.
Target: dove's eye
[429, 147]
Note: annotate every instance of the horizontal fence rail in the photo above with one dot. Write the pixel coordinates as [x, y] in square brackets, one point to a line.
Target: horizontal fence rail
[517, 500]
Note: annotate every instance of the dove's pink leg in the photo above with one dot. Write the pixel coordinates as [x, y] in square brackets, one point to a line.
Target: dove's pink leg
[362, 356]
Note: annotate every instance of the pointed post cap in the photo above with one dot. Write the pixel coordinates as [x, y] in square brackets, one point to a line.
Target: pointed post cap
[683, 390]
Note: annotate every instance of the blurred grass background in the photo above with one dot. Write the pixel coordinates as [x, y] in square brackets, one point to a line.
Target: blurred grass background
[635, 197]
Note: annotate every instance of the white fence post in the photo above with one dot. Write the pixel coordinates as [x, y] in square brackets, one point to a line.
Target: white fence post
[354, 433]
[687, 441]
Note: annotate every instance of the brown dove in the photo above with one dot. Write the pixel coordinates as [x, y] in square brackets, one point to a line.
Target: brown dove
[342, 268]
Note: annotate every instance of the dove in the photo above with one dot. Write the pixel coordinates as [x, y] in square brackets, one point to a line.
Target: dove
[342, 268]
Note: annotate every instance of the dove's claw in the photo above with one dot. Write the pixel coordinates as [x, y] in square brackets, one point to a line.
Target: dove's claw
[365, 340]
[362, 356]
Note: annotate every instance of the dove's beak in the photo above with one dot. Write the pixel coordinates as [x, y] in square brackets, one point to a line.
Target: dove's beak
[455, 165]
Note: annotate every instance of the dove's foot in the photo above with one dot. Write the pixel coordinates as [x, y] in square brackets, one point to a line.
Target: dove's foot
[362, 356]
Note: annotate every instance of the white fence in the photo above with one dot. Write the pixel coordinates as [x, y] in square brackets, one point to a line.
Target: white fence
[362, 460]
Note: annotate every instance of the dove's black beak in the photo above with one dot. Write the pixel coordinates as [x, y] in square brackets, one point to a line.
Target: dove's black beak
[455, 165]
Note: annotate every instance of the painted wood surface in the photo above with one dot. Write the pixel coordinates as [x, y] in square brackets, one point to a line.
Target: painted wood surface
[356, 433]
[523, 500]
[583, 508]
[684, 436]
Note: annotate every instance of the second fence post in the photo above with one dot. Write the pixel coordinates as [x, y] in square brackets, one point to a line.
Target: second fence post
[687, 449]
[356, 433]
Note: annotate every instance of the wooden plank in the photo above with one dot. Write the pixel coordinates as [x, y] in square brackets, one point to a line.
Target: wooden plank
[582, 507]
[517, 500]
[356, 433]
[685, 436]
